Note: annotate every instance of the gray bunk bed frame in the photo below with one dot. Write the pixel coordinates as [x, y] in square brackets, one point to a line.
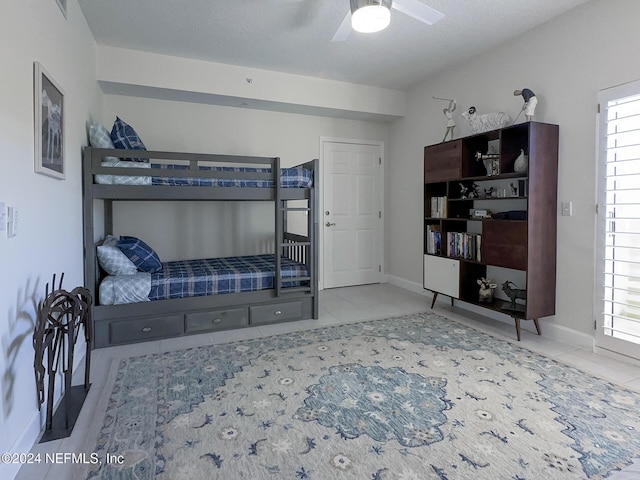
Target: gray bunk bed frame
[160, 319]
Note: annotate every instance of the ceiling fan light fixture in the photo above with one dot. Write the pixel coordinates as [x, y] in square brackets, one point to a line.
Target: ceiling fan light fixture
[370, 16]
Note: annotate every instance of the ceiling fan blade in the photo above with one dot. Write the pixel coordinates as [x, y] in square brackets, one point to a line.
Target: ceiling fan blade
[344, 29]
[418, 10]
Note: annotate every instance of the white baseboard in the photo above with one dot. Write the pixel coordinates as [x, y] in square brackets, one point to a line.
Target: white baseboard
[568, 335]
[408, 285]
[549, 329]
[616, 356]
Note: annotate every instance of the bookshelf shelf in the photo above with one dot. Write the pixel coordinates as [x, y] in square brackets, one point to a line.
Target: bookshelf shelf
[490, 199]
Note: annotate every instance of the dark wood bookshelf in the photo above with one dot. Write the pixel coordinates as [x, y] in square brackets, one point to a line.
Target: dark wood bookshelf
[523, 245]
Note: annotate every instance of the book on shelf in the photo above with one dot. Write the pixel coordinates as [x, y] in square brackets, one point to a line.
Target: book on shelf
[434, 239]
[439, 207]
[464, 245]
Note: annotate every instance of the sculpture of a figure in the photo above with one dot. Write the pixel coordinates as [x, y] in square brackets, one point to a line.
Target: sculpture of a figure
[479, 123]
[451, 123]
[61, 315]
[530, 102]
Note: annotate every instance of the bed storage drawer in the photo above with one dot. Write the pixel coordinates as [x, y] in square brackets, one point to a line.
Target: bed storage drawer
[216, 320]
[142, 329]
[276, 312]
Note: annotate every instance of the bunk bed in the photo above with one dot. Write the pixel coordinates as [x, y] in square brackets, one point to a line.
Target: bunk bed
[278, 287]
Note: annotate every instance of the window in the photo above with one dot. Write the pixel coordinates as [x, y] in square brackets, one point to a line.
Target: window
[619, 218]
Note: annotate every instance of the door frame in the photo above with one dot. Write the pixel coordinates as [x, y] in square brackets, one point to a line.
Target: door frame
[381, 240]
[616, 347]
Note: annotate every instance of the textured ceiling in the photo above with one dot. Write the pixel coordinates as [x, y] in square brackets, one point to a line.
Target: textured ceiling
[294, 36]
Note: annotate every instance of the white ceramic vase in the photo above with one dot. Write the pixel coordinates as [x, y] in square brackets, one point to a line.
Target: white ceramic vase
[521, 165]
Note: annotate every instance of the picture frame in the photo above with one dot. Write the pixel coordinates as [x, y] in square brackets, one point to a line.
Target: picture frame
[48, 103]
[63, 7]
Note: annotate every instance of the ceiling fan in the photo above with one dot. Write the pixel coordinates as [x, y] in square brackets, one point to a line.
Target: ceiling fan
[370, 16]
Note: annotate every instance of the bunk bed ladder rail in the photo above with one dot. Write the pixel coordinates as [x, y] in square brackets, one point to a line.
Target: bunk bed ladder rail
[91, 270]
[296, 247]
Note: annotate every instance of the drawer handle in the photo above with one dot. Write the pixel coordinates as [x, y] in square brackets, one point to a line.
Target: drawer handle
[277, 312]
[216, 320]
[146, 329]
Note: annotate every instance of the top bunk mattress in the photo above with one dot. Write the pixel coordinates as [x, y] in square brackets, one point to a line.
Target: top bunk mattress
[294, 177]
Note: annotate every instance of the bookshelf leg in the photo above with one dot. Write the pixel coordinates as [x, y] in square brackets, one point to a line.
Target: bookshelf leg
[435, 296]
[535, 322]
[517, 320]
[452, 301]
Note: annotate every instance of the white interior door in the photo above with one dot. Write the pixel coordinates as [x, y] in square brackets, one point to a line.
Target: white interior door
[352, 213]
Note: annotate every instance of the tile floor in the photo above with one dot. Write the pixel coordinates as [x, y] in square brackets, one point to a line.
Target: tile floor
[337, 306]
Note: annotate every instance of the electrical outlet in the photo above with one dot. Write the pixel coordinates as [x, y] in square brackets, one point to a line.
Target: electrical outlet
[567, 209]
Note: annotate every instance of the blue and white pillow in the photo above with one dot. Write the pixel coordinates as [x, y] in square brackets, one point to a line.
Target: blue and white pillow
[123, 179]
[141, 254]
[112, 260]
[125, 137]
[99, 137]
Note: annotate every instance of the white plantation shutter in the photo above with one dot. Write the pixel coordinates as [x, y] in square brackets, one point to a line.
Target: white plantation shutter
[619, 218]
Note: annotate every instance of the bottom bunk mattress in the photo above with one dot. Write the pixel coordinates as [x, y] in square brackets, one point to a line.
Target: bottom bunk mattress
[195, 278]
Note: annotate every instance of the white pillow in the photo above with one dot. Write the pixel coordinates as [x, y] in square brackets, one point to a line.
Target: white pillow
[112, 260]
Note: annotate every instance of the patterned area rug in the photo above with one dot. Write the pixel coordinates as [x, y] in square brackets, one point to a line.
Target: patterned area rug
[414, 397]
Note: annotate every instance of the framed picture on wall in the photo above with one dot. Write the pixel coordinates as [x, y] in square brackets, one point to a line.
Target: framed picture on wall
[48, 102]
[63, 6]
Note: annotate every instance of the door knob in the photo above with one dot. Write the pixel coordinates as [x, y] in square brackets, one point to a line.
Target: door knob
[329, 224]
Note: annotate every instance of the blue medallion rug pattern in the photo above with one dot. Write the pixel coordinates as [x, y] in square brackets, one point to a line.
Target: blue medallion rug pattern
[409, 398]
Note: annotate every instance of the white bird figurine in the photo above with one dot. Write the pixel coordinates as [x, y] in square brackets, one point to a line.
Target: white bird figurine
[521, 165]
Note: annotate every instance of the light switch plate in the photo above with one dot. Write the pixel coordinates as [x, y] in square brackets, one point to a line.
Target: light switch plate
[3, 217]
[567, 209]
[12, 222]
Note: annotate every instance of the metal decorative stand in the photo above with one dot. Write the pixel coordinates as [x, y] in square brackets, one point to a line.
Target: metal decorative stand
[60, 316]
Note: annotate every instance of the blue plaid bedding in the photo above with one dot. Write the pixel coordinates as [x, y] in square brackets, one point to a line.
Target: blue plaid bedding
[194, 278]
[295, 177]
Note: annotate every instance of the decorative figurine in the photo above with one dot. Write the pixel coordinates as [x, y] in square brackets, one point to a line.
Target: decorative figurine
[463, 191]
[495, 166]
[530, 102]
[514, 293]
[491, 162]
[488, 192]
[448, 112]
[473, 191]
[451, 123]
[485, 294]
[486, 121]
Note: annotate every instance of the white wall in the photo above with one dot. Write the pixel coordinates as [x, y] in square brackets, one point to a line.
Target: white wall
[211, 228]
[174, 78]
[565, 62]
[49, 239]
